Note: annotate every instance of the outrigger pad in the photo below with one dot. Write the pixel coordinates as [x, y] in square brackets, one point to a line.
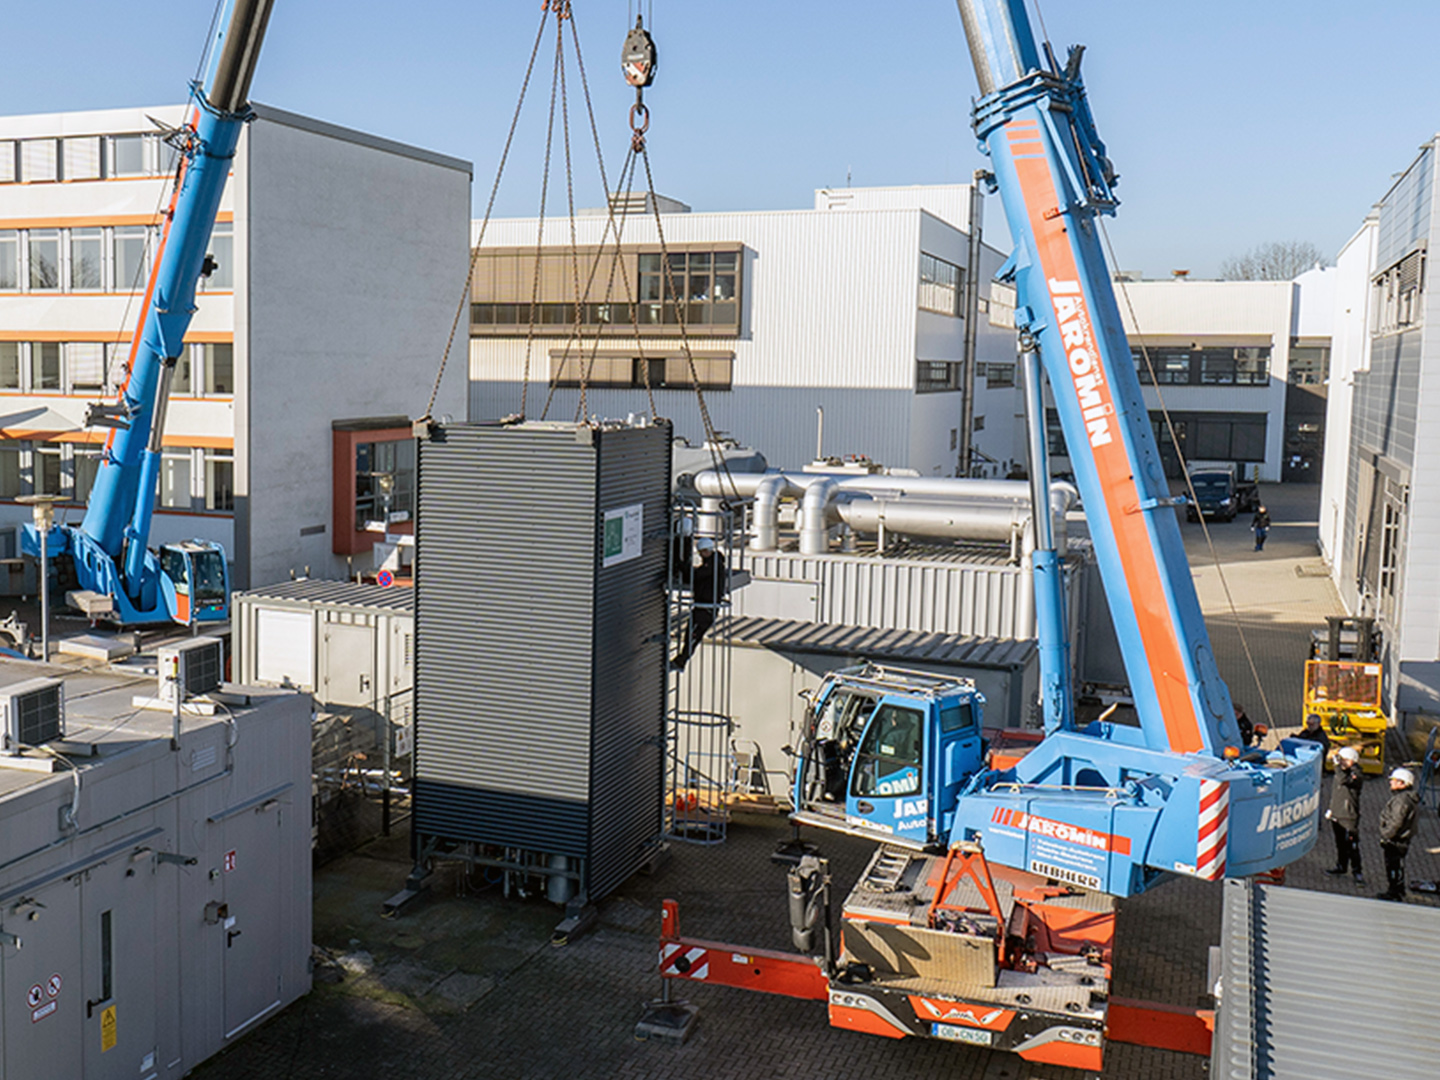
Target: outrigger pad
[667, 1021]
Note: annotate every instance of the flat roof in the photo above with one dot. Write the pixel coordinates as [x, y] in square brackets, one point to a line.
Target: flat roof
[315, 591]
[910, 646]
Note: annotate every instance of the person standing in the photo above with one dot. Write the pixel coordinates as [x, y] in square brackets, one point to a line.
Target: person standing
[708, 588]
[1397, 828]
[1247, 727]
[1261, 524]
[1313, 731]
[1344, 812]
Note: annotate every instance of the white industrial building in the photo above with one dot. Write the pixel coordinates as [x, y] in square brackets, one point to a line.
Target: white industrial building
[1380, 501]
[341, 259]
[1240, 366]
[853, 307]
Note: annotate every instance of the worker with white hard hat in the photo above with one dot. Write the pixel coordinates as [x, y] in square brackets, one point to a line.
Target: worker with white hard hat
[1397, 828]
[1344, 813]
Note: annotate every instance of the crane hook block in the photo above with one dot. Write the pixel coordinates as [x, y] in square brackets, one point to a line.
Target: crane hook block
[637, 58]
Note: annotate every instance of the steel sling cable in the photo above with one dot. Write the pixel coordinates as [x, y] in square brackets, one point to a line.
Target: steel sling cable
[464, 304]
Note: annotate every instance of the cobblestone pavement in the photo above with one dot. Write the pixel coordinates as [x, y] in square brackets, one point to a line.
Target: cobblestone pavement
[466, 984]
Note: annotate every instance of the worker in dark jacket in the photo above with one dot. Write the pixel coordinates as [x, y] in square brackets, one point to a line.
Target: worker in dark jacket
[1313, 731]
[1344, 812]
[1261, 524]
[1246, 725]
[708, 588]
[1397, 827]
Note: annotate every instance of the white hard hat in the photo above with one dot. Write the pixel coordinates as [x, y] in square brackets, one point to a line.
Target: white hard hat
[1348, 753]
[1405, 776]
[704, 543]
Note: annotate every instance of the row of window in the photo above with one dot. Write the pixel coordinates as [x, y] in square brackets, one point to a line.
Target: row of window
[548, 317]
[1238, 437]
[110, 258]
[84, 157]
[940, 285]
[936, 376]
[1398, 292]
[621, 371]
[1179, 366]
[91, 367]
[190, 478]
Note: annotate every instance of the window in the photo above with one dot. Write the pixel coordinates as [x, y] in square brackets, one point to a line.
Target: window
[939, 285]
[44, 252]
[81, 157]
[384, 482]
[9, 365]
[130, 155]
[222, 248]
[1398, 291]
[107, 959]
[9, 161]
[1223, 366]
[888, 761]
[85, 363]
[9, 259]
[39, 160]
[219, 480]
[978, 424]
[45, 366]
[626, 371]
[48, 472]
[175, 479]
[9, 469]
[181, 382]
[118, 354]
[86, 463]
[1309, 365]
[219, 369]
[999, 375]
[130, 244]
[85, 261]
[936, 376]
[954, 718]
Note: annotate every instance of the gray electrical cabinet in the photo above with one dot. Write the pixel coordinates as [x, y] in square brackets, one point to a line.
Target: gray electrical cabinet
[541, 562]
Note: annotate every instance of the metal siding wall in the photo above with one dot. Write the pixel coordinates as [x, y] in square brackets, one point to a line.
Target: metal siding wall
[504, 606]
[627, 764]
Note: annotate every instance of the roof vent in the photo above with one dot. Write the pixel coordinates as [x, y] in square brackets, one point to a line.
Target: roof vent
[33, 713]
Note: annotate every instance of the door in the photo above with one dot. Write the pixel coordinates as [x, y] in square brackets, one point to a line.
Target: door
[958, 756]
[43, 999]
[347, 661]
[886, 777]
[117, 994]
[248, 933]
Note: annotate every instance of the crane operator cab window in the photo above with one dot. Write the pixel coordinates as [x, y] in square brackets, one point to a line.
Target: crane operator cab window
[888, 761]
[841, 719]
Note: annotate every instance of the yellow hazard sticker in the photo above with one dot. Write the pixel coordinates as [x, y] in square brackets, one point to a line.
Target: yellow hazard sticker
[107, 1029]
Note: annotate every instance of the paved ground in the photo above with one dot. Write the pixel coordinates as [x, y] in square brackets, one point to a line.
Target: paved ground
[467, 985]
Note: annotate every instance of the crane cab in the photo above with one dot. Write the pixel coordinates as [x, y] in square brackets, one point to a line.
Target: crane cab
[195, 581]
[885, 752]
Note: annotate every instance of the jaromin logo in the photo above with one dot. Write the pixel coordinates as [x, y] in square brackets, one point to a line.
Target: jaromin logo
[1074, 323]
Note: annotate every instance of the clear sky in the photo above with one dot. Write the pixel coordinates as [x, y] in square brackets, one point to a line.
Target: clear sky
[1232, 122]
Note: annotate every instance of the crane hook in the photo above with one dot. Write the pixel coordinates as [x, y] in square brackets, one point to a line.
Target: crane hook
[637, 57]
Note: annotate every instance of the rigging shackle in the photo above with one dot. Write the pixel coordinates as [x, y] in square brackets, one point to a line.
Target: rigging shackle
[637, 57]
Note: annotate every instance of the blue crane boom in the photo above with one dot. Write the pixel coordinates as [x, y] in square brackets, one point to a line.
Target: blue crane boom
[1110, 807]
[186, 582]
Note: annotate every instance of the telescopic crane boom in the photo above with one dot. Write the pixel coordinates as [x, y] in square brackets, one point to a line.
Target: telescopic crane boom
[186, 582]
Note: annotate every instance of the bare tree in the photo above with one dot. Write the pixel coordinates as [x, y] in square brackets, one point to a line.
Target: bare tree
[1278, 260]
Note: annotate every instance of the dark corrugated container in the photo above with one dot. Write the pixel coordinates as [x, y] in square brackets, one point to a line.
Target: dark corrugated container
[540, 640]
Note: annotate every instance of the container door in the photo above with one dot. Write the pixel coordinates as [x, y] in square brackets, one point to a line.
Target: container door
[44, 998]
[347, 660]
[886, 789]
[116, 999]
[284, 648]
[249, 931]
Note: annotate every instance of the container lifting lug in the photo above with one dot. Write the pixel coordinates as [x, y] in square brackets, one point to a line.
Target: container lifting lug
[637, 58]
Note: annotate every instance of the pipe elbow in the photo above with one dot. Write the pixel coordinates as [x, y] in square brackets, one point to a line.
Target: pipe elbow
[819, 512]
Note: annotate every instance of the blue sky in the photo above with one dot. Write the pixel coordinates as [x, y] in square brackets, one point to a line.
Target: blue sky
[1232, 123]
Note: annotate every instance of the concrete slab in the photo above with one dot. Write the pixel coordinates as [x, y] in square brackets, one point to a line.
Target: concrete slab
[106, 647]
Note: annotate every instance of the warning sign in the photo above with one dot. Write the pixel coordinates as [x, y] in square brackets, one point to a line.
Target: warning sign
[53, 986]
[107, 1029]
[45, 1010]
[36, 995]
[229, 860]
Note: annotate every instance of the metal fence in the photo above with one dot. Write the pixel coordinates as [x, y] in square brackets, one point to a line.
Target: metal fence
[363, 764]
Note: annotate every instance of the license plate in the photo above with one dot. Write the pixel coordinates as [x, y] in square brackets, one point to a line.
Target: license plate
[960, 1034]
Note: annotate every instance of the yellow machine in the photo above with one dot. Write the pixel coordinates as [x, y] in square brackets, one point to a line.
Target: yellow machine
[1345, 694]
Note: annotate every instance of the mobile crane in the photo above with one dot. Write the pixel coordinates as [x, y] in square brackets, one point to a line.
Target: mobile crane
[187, 582]
[987, 915]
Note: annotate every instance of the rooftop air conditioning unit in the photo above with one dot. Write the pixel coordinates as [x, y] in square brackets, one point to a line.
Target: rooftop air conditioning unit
[33, 713]
[195, 666]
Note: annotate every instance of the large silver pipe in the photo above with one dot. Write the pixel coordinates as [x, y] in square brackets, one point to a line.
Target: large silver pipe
[744, 485]
[771, 488]
[915, 517]
[817, 504]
